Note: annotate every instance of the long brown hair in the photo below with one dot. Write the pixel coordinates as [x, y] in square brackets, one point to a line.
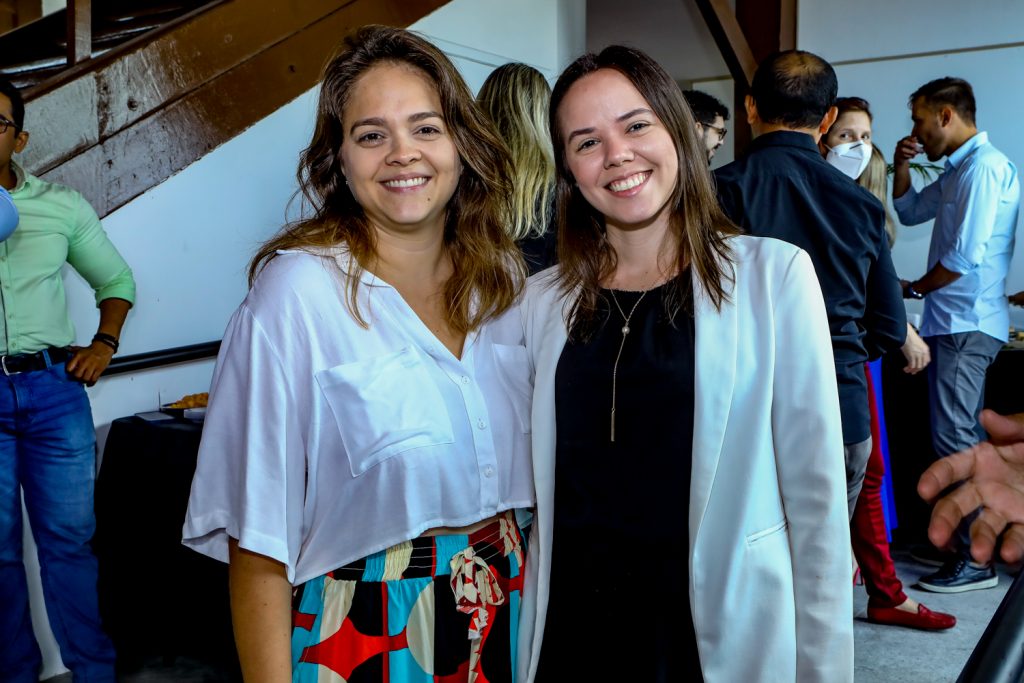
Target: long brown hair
[700, 227]
[488, 271]
[515, 97]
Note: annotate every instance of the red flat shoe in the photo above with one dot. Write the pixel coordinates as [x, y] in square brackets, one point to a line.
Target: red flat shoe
[924, 619]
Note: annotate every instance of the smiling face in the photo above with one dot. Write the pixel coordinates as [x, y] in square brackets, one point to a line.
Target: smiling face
[851, 126]
[618, 151]
[400, 162]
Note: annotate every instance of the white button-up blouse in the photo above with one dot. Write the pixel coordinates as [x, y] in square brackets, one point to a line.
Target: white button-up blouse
[326, 441]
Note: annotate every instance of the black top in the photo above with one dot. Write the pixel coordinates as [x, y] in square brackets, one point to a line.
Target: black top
[620, 562]
[784, 189]
[541, 252]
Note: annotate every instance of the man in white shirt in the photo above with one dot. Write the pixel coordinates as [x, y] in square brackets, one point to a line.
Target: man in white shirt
[975, 204]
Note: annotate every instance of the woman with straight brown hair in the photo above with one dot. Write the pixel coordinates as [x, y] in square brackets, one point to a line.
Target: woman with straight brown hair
[691, 519]
[366, 445]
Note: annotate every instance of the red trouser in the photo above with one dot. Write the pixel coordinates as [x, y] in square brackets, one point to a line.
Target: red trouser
[867, 530]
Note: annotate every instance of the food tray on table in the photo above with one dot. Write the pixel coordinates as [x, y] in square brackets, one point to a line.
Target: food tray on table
[192, 406]
[196, 414]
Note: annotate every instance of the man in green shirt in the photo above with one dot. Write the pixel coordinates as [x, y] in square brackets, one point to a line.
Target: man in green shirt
[47, 438]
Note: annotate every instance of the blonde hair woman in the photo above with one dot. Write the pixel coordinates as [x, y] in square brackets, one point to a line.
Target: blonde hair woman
[875, 179]
[515, 97]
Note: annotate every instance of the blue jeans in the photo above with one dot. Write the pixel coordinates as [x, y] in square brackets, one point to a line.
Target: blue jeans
[956, 392]
[48, 451]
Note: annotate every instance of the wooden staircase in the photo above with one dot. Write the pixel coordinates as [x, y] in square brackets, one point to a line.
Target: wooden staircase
[35, 52]
[167, 82]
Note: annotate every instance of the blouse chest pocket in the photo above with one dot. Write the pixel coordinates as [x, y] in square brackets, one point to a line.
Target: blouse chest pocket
[385, 406]
[513, 368]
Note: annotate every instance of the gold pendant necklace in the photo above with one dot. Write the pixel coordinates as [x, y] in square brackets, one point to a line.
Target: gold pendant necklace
[625, 331]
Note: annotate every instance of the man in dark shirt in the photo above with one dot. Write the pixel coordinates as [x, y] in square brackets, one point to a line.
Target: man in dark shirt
[783, 188]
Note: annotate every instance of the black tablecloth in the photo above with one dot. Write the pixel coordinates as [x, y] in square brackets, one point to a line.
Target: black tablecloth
[156, 596]
[1004, 384]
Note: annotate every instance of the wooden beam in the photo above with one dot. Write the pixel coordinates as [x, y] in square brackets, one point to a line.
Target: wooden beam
[156, 72]
[146, 142]
[79, 16]
[745, 37]
[769, 25]
[730, 39]
[787, 24]
[741, 132]
[732, 43]
[26, 11]
[8, 15]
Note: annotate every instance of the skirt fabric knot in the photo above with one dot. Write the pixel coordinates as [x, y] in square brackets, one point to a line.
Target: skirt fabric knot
[475, 587]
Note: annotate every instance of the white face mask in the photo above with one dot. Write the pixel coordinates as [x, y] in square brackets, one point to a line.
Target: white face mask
[851, 158]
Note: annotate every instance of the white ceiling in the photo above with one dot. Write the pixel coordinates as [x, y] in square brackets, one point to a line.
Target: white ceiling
[671, 31]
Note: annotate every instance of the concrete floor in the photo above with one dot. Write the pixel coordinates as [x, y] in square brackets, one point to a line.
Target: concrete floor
[884, 654]
[891, 654]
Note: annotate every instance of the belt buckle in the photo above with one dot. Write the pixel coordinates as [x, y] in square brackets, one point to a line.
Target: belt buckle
[3, 364]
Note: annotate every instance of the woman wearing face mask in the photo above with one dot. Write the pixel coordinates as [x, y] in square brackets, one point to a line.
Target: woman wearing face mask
[847, 146]
[691, 519]
[367, 437]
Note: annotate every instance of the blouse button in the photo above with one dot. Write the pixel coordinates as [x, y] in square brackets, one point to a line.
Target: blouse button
[488, 471]
[465, 380]
[481, 424]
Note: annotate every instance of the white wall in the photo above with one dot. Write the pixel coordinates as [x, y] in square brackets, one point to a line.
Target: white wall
[909, 43]
[880, 28]
[189, 239]
[493, 32]
[51, 6]
[722, 88]
[670, 31]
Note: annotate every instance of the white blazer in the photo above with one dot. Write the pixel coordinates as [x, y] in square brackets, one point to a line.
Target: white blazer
[770, 573]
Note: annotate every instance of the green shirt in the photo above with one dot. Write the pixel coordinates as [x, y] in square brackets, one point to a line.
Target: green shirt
[57, 226]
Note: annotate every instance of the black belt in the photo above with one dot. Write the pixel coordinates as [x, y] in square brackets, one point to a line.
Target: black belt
[28, 362]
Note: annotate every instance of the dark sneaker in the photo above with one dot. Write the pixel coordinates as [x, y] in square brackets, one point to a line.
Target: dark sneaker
[928, 554]
[958, 576]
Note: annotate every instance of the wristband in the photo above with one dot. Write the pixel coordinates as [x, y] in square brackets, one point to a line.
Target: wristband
[914, 294]
[107, 339]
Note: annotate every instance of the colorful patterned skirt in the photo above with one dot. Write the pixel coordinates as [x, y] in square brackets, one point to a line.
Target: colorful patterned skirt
[436, 609]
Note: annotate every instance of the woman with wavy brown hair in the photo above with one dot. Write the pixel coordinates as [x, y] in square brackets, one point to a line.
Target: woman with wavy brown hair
[366, 445]
[691, 515]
